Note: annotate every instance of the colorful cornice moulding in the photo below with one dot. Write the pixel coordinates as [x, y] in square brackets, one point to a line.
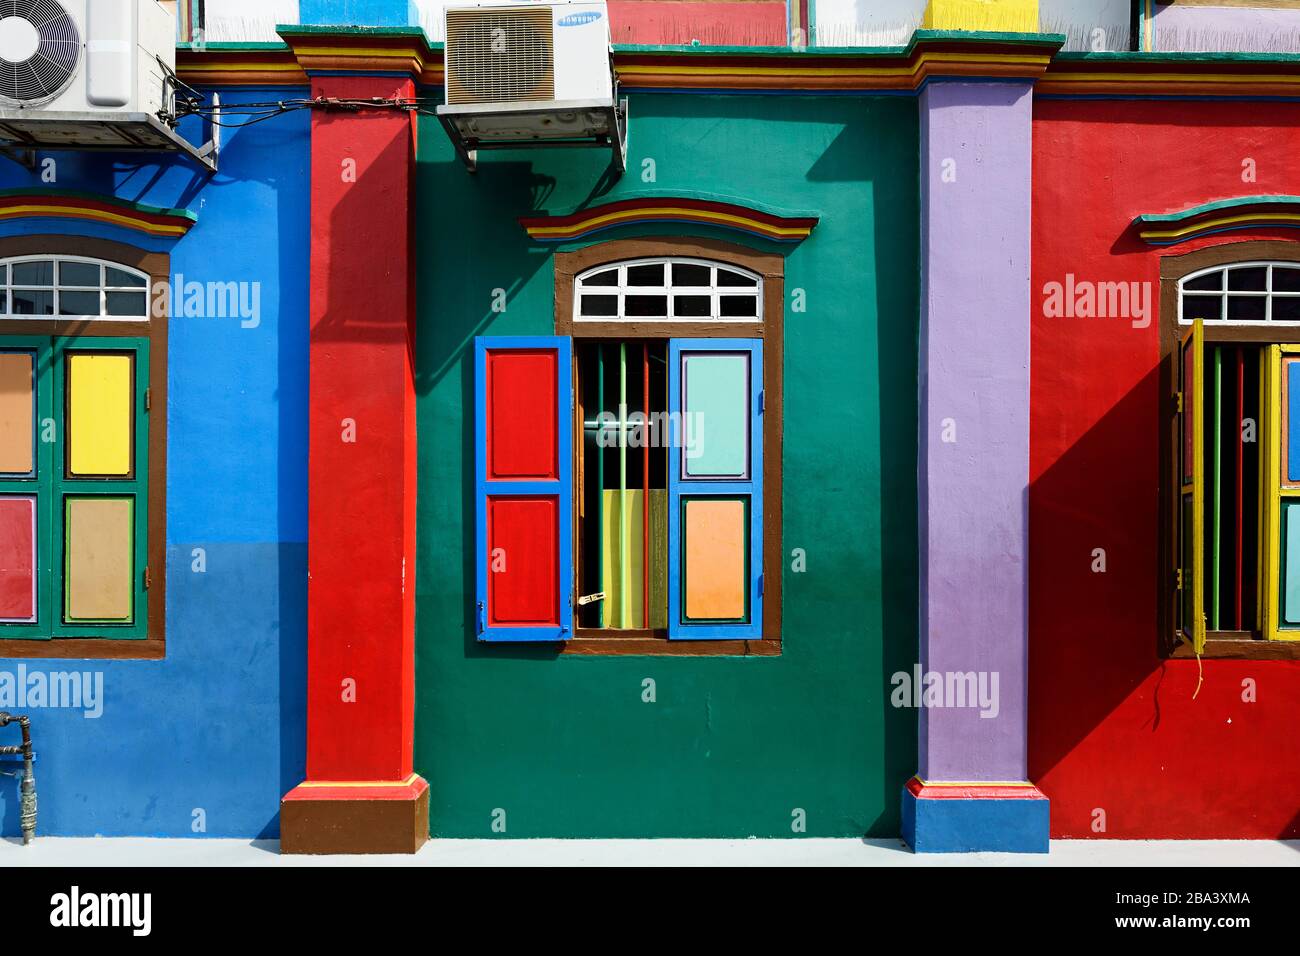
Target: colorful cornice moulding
[1172, 75]
[765, 223]
[930, 54]
[979, 40]
[1224, 215]
[88, 207]
[950, 54]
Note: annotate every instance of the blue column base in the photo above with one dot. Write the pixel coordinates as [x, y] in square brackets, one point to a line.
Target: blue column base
[975, 819]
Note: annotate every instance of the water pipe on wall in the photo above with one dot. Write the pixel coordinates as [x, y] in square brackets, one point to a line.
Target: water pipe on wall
[27, 788]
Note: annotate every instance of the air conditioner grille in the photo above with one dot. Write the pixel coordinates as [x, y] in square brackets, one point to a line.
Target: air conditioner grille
[36, 76]
[500, 54]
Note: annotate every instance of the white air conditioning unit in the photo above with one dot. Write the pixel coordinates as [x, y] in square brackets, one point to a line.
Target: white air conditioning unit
[530, 74]
[86, 56]
[90, 75]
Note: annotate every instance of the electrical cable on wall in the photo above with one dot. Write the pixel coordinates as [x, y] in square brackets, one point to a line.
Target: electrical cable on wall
[260, 112]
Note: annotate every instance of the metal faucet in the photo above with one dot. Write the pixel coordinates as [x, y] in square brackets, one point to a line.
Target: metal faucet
[27, 788]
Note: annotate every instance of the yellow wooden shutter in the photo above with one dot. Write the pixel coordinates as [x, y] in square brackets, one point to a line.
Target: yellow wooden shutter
[1191, 482]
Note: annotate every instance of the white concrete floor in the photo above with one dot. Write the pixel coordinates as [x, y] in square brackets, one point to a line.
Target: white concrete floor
[62, 851]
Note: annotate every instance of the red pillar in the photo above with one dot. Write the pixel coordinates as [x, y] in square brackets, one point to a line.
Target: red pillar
[361, 794]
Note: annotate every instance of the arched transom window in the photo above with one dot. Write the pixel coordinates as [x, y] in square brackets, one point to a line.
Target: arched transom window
[668, 290]
[1244, 293]
[71, 286]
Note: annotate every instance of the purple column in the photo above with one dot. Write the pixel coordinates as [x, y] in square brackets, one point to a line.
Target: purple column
[976, 167]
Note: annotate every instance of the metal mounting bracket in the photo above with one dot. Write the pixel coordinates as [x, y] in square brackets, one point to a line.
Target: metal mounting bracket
[467, 147]
[25, 132]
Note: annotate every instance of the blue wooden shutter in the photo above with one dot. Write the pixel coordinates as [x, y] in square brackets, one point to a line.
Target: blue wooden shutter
[523, 490]
[715, 489]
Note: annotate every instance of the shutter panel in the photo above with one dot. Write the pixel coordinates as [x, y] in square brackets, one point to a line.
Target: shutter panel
[100, 484]
[715, 489]
[1281, 545]
[1191, 480]
[25, 464]
[523, 431]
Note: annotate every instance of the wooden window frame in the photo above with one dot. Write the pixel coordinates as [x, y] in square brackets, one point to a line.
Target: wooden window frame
[770, 328]
[1243, 645]
[157, 267]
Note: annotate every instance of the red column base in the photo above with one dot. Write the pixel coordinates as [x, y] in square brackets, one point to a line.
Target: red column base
[376, 816]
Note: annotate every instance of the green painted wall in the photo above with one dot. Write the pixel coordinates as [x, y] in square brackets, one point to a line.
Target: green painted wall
[732, 746]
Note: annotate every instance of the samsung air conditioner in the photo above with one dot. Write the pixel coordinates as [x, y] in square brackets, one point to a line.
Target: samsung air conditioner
[89, 74]
[523, 74]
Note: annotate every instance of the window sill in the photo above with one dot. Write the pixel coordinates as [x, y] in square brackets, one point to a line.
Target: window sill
[1241, 648]
[87, 649]
[596, 641]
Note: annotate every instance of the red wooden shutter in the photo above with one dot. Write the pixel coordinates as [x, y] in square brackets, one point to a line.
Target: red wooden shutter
[523, 491]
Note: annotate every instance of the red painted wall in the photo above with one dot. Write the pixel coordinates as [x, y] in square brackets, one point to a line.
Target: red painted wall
[1113, 727]
[726, 23]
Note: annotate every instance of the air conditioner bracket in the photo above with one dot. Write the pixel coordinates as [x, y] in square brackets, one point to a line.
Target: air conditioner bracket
[24, 132]
[613, 135]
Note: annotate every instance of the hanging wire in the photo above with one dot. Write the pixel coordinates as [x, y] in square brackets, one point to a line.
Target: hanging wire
[254, 113]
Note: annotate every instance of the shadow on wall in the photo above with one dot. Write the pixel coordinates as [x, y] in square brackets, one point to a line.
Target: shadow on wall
[499, 192]
[490, 199]
[1117, 740]
[897, 328]
[1100, 493]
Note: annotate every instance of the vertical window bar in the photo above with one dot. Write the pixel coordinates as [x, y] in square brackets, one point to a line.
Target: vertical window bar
[624, 517]
[600, 479]
[1215, 408]
[645, 486]
[1268, 294]
[1241, 508]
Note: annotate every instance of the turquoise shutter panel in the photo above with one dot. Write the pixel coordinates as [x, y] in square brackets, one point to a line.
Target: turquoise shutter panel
[523, 488]
[715, 489]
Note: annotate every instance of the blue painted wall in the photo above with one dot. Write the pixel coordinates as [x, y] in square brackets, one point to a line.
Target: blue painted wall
[219, 725]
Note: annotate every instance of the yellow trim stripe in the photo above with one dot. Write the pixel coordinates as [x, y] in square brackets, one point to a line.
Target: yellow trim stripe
[73, 212]
[360, 783]
[1261, 219]
[220, 67]
[910, 70]
[357, 52]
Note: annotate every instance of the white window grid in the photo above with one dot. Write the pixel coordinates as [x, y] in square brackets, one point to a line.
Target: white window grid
[8, 286]
[1268, 294]
[668, 289]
